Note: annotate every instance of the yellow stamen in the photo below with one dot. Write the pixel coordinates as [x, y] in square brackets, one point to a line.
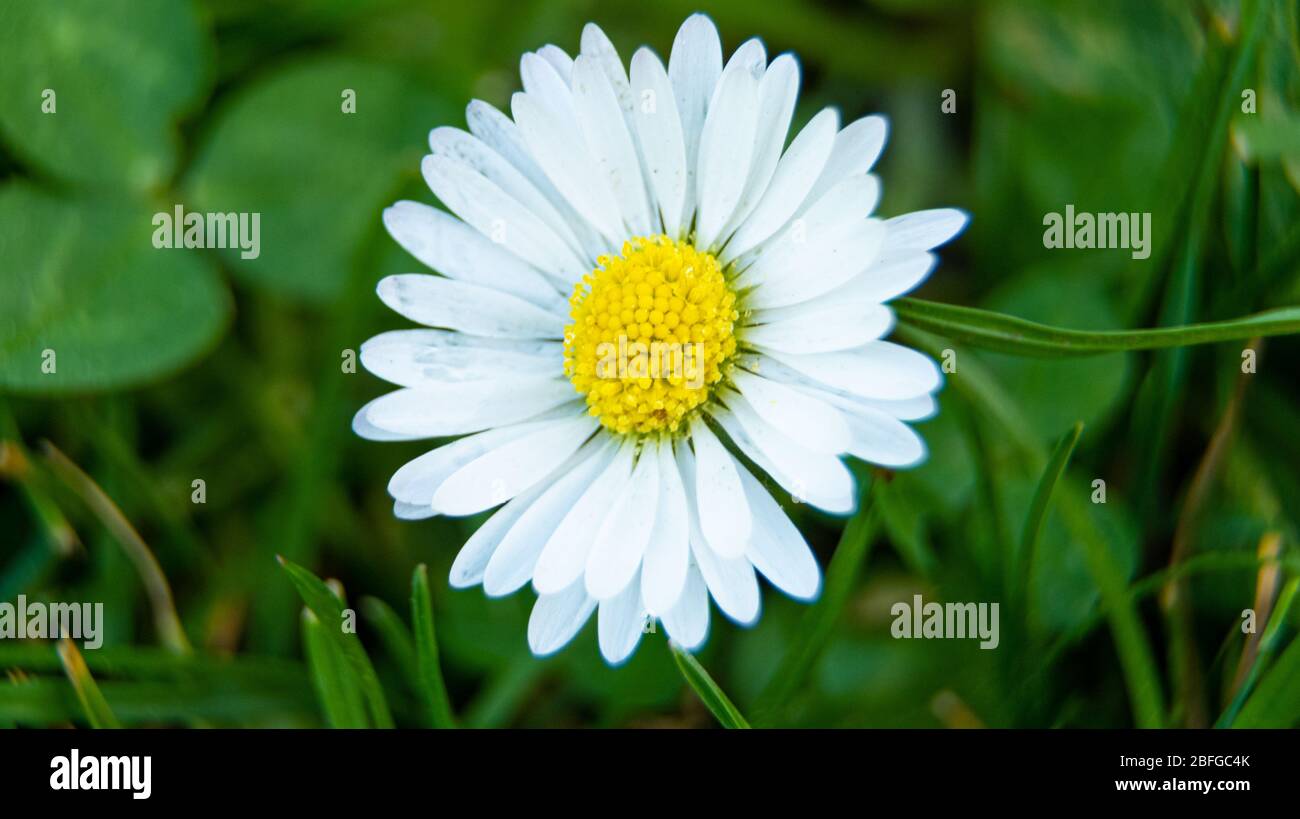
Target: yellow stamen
[652, 331]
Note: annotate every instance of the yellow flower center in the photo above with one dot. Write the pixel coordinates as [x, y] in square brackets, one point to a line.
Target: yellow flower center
[652, 331]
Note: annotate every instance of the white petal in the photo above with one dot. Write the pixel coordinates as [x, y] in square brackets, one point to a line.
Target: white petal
[667, 557]
[896, 272]
[473, 558]
[804, 419]
[512, 564]
[719, 497]
[820, 326]
[557, 619]
[502, 135]
[561, 151]
[621, 540]
[406, 358]
[726, 150]
[777, 92]
[906, 409]
[856, 149]
[825, 264]
[816, 477]
[694, 67]
[621, 623]
[612, 149]
[660, 131]
[412, 511]
[454, 249]
[418, 479]
[730, 580]
[559, 60]
[545, 85]
[880, 370]
[778, 550]
[470, 151]
[793, 179]
[564, 557]
[598, 49]
[362, 427]
[883, 439]
[838, 213]
[467, 406]
[505, 471]
[480, 311]
[925, 229]
[687, 623]
[500, 217]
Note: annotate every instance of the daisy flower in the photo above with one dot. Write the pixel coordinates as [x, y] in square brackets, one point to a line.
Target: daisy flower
[646, 300]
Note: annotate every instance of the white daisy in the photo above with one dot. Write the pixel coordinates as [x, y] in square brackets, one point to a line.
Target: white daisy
[659, 208]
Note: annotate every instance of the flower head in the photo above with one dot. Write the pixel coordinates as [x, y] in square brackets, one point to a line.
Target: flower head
[645, 299]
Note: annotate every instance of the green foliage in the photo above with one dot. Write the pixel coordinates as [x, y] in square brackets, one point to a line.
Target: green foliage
[80, 278]
[319, 177]
[179, 365]
[710, 694]
[93, 89]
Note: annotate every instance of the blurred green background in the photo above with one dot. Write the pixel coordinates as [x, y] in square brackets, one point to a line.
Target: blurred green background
[183, 365]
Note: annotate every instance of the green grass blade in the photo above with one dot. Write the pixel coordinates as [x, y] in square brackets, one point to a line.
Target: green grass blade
[819, 622]
[433, 691]
[98, 714]
[1267, 645]
[708, 691]
[394, 635]
[329, 610]
[1025, 557]
[1009, 334]
[1276, 701]
[338, 689]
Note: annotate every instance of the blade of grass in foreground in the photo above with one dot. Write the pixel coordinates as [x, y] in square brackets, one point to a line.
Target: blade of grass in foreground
[329, 610]
[1023, 564]
[166, 620]
[98, 714]
[707, 690]
[819, 621]
[1009, 334]
[433, 691]
[335, 684]
[1276, 702]
[1261, 706]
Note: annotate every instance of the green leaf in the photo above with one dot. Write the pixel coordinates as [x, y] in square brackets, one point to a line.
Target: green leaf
[1276, 701]
[394, 634]
[117, 74]
[98, 714]
[1280, 695]
[87, 302]
[1009, 334]
[335, 684]
[708, 691]
[1038, 508]
[328, 609]
[433, 691]
[318, 176]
